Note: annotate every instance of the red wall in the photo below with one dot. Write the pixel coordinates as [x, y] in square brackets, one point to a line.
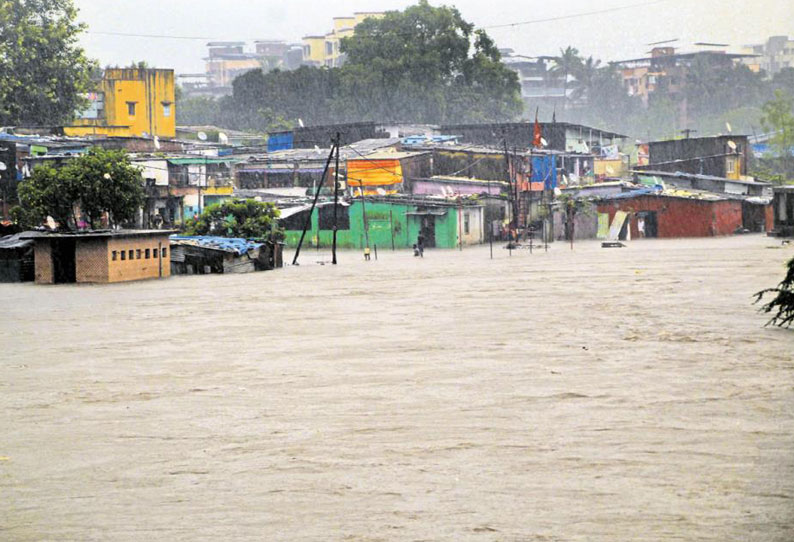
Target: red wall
[769, 213]
[681, 217]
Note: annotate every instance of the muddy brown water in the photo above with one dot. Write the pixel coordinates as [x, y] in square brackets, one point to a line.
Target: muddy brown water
[593, 395]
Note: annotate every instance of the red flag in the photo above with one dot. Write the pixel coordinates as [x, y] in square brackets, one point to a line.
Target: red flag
[536, 139]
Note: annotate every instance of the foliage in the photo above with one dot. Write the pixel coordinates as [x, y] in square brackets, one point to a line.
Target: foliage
[423, 64]
[783, 303]
[98, 183]
[778, 116]
[43, 72]
[197, 111]
[249, 219]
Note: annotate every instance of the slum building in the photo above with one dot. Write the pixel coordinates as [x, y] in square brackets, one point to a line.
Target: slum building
[100, 256]
[723, 156]
[388, 222]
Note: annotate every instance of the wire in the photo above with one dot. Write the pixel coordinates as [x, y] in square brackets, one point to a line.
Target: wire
[576, 15]
[503, 25]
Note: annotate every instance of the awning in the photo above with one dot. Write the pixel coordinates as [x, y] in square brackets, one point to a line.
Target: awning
[200, 161]
[438, 212]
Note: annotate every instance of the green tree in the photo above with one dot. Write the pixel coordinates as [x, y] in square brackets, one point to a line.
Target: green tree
[778, 117]
[566, 65]
[43, 72]
[99, 183]
[424, 64]
[428, 64]
[249, 219]
[783, 303]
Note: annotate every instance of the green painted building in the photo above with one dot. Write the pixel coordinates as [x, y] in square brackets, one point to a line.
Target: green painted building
[389, 222]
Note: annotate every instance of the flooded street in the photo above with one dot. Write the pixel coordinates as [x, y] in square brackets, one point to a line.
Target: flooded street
[593, 395]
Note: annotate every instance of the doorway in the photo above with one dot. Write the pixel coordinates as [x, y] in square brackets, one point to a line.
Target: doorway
[63, 261]
[428, 231]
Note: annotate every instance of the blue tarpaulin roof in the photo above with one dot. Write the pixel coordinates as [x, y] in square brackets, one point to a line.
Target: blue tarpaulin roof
[228, 244]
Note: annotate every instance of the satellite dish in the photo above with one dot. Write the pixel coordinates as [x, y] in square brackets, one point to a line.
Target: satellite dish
[610, 171]
[3, 166]
[728, 127]
[316, 149]
[300, 123]
[157, 143]
[223, 138]
[543, 142]
[381, 192]
[51, 223]
[732, 145]
[202, 136]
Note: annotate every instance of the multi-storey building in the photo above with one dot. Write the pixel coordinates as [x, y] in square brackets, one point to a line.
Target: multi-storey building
[774, 55]
[129, 102]
[325, 50]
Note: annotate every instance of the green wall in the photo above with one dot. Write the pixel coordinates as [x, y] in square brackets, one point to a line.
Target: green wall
[380, 225]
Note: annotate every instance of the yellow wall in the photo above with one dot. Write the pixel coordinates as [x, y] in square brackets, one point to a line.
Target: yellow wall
[343, 28]
[140, 267]
[317, 48]
[152, 92]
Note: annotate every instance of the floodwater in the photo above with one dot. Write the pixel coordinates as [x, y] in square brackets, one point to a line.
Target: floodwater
[594, 395]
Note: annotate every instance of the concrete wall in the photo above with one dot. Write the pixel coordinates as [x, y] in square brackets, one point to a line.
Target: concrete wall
[139, 267]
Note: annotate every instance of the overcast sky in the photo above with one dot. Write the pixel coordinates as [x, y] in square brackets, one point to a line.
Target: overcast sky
[615, 35]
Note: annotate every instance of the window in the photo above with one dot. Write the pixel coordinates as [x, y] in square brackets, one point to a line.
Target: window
[138, 254]
[146, 254]
[466, 223]
[115, 255]
[165, 252]
[131, 108]
[166, 109]
[731, 165]
[130, 255]
[123, 255]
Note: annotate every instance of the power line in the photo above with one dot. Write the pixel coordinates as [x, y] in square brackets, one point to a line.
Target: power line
[503, 25]
[575, 15]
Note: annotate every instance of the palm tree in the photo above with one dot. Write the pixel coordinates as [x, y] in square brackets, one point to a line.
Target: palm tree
[566, 65]
[586, 73]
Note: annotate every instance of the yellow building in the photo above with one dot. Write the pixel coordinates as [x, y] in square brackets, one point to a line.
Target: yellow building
[325, 50]
[130, 102]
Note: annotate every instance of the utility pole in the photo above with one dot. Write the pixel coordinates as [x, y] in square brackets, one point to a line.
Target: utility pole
[336, 199]
[308, 221]
[510, 194]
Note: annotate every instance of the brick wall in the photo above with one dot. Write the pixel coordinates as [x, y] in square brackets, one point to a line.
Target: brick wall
[91, 261]
[43, 262]
[135, 264]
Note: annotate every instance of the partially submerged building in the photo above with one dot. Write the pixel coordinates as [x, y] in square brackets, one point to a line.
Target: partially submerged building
[783, 205]
[16, 259]
[388, 222]
[100, 256]
[199, 255]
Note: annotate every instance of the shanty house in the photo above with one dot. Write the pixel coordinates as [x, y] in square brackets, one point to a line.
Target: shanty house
[199, 255]
[100, 256]
[652, 214]
[389, 222]
[16, 259]
[723, 156]
[783, 205]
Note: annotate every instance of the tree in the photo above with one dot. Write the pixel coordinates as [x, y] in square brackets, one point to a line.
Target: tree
[98, 184]
[566, 65]
[778, 116]
[249, 219]
[783, 303]
[424, 64]
[43, 72]
[428, 64]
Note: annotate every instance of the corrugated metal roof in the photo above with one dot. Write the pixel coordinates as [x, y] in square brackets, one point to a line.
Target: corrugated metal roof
[14, 241]
[227, 244]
